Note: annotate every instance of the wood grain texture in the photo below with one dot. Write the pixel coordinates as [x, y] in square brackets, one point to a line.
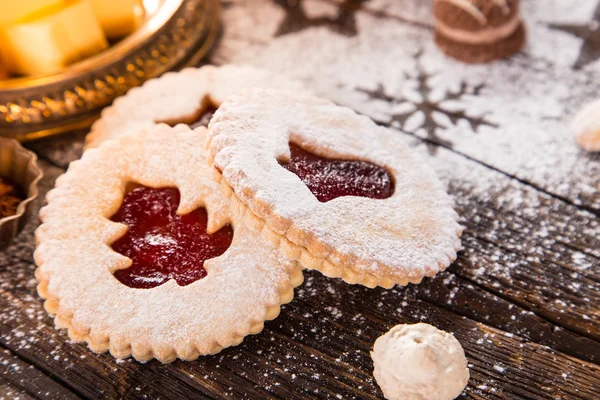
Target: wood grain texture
[319, 347]
[523, 297]
[7, 391]
[19, 379]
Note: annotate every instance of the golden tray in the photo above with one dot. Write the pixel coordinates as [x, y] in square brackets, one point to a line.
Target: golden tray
[176, 33]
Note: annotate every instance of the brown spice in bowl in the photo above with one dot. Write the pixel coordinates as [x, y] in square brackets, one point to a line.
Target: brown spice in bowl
[10, 197]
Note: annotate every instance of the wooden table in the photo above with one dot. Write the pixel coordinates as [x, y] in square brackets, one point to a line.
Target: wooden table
[523, 297]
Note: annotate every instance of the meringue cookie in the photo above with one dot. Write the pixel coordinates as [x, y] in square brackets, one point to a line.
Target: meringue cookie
[419, 362]
[586, 127]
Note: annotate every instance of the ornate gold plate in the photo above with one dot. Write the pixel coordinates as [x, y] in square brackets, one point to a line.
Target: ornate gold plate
[176, 33]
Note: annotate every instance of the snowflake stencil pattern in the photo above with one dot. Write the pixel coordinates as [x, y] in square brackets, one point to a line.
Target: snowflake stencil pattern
[430, 115]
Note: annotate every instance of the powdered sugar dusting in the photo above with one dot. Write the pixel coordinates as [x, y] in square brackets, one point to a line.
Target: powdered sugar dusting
[527, 100]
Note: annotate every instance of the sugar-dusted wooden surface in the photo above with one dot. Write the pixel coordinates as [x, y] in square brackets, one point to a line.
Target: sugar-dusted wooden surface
[523, 297]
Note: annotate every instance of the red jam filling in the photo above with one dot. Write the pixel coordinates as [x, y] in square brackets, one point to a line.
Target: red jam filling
[328, 179]
[162, 244]
[204, 119]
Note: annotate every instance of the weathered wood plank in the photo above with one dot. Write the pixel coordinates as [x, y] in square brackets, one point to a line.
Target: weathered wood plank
[28, 380]
[60, 150]
[10, 392]
[454, 293]
[317, 348]
[29, 332]
[307, 352]
[525, 246]
[352, 319]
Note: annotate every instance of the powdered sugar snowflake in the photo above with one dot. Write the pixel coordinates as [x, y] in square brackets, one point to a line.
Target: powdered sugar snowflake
[427, 113]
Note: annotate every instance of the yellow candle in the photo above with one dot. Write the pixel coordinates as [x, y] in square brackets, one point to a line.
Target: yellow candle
[119, 18]
[51, 38]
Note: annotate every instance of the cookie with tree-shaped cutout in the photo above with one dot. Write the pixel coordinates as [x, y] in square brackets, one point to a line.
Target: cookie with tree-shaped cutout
[139, 254]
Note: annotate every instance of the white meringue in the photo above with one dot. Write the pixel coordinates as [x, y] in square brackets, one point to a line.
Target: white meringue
[586, 127]
[419, 362]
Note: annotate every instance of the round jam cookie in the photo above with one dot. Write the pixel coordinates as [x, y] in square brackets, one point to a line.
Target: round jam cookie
[189, 97]
[139, 254]
[332, 189]
[586, 127]
[476, 31]
[418, 362]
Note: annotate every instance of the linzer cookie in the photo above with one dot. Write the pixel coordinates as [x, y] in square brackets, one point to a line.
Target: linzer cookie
[332, 189]
[187, 97]
[476, 31]
[147, 260]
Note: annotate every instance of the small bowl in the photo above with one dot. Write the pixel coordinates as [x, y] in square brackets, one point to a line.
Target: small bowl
[20, 166]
